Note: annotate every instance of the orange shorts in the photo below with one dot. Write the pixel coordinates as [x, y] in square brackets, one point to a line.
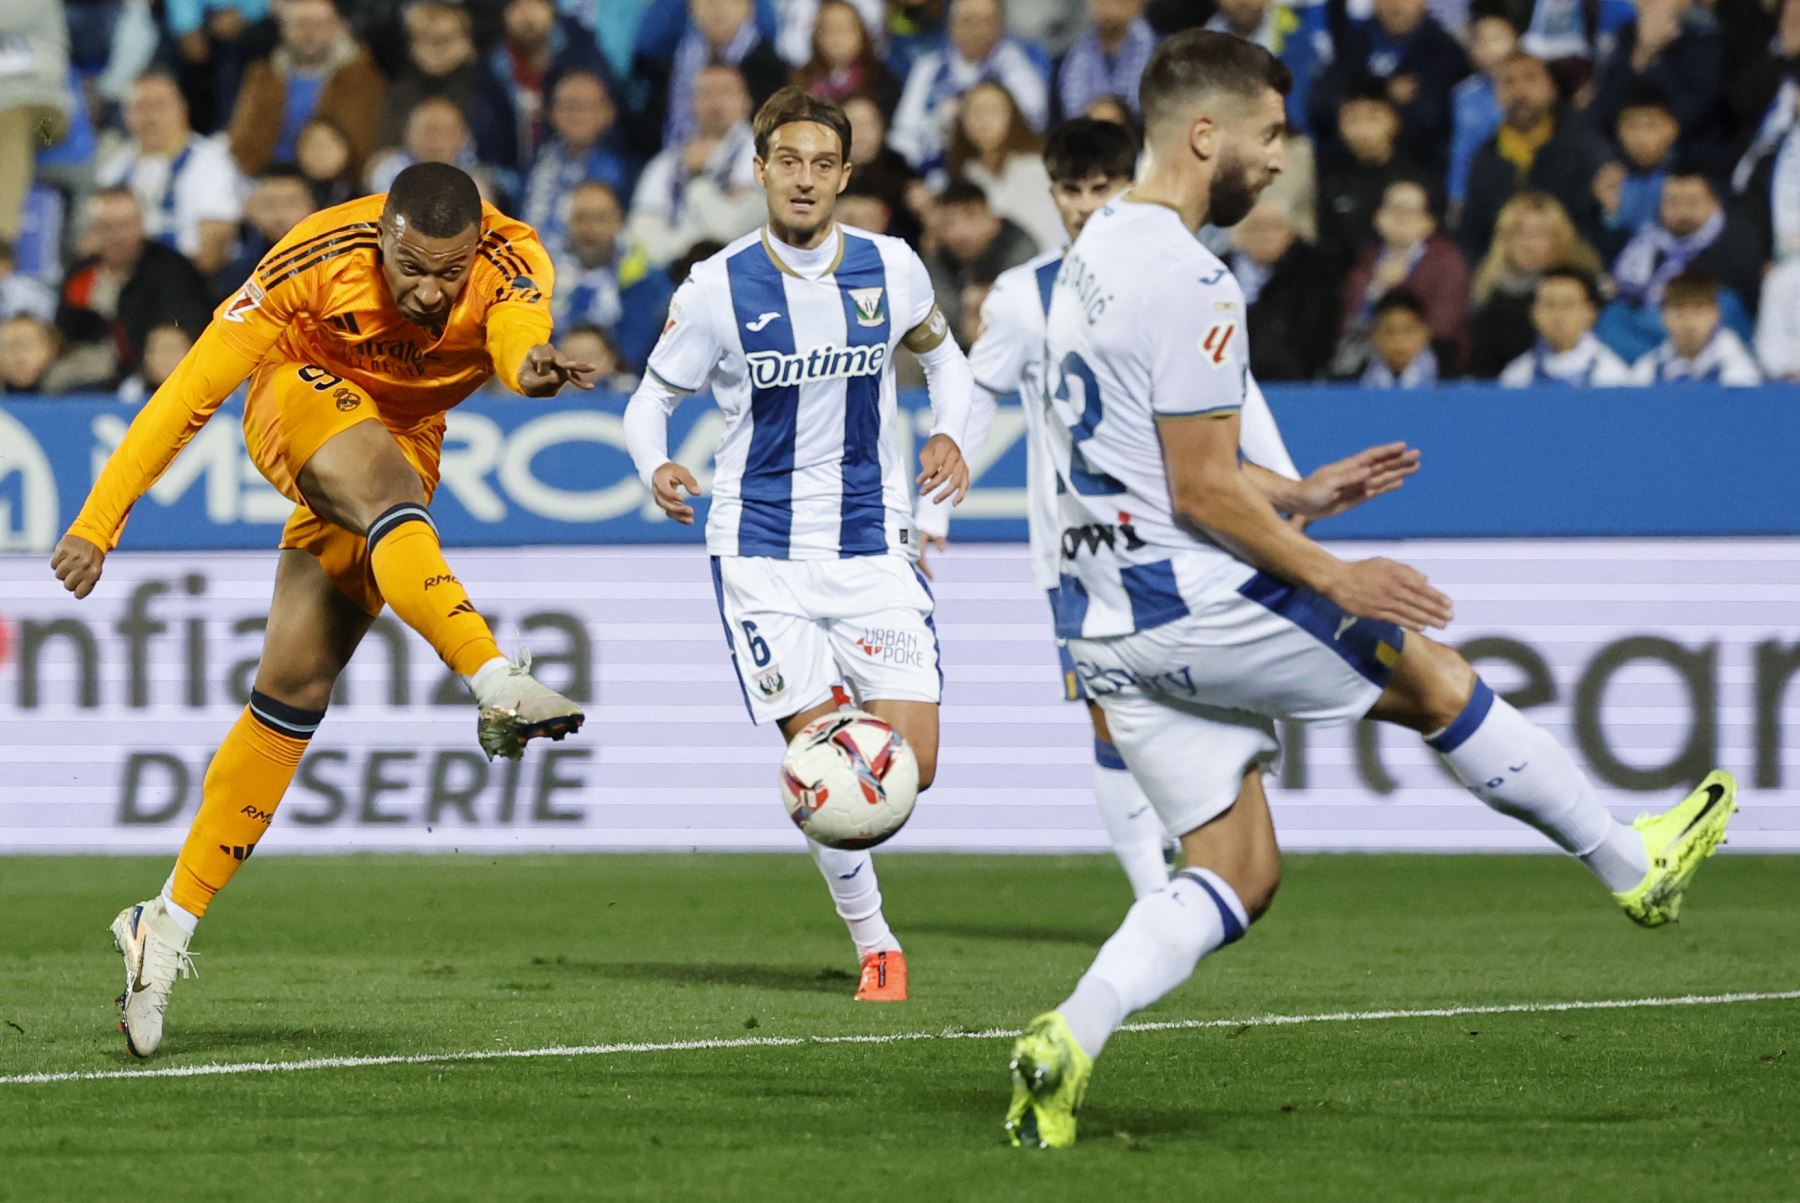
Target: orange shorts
[292, 410]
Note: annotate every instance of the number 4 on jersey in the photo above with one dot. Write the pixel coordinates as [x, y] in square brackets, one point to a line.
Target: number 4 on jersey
[1217, 340]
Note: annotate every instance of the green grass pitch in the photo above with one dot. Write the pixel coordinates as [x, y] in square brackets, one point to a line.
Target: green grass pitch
[364, 956]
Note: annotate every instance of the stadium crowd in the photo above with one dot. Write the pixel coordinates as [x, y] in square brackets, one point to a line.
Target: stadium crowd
[1594, 191]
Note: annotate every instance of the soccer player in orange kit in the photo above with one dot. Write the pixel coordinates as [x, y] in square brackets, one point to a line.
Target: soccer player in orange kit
[357, 332]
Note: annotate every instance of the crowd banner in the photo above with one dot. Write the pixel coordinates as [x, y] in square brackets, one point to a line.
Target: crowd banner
[1549, 462]
[1652, 659]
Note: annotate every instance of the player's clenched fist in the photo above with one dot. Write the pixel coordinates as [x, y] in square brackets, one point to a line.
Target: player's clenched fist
[545, 370]
[1392, 592]
[77, 564]
[667, 486]
[944, 475]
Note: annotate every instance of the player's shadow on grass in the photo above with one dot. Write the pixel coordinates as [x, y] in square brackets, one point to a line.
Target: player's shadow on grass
[710, 973]
[277, 1044]
[1018, 933]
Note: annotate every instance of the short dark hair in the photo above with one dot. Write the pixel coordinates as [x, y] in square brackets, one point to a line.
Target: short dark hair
[1646, 94]
[1692, 287]
[436, 199]
[1685, 169]
[961, 192]
[1367, 91]
[283, 171]
[1083, 147]
[1197, 61]
[1589, 285]
[1399, 299]
[794, 103]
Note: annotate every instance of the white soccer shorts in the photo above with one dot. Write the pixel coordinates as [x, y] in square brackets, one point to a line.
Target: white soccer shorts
[798, 627]
[1191, 702]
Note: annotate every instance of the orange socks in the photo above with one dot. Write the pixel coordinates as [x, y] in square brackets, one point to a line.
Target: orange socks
[243, 787]
[409, 566]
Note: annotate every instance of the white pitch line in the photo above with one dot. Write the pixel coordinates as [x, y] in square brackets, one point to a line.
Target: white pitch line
[739, 1042]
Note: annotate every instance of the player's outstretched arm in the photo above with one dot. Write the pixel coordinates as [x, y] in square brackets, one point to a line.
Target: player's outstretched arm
[544, 370]
[173, 415]
[1338, 486]
[1208, 490]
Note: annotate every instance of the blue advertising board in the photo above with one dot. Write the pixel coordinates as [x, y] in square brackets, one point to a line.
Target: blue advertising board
[1557, 462]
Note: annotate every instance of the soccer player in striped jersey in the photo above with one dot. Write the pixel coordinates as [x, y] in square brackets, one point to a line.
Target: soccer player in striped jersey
[1090, 162]
[356, 332]
[1218, 617]
[794, 329]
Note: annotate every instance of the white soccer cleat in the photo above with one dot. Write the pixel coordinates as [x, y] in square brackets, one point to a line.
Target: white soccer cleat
[155, 950]
[516, 708]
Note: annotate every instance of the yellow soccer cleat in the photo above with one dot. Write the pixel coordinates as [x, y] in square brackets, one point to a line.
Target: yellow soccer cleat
[1050, 1075]
[1677, 841]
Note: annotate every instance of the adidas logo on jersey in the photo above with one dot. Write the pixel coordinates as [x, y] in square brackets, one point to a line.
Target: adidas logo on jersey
[773, 369]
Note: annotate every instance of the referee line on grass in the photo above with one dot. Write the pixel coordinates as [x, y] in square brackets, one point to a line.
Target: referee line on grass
[220, 1069]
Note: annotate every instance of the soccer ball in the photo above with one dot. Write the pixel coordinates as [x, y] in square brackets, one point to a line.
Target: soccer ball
[848, 780]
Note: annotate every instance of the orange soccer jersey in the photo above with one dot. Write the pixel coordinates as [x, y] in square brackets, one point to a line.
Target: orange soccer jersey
[316, 332]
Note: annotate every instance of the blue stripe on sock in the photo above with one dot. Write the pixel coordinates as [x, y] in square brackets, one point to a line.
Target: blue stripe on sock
[1473, 715]
[1234, 931]
[1106, 754]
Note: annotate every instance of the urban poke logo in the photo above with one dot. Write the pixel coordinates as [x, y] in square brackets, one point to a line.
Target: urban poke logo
[28, 498]
[774, 369]
[889, 646]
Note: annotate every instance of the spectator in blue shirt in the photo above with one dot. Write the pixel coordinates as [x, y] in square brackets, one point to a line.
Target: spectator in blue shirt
[442, 61]
[719, 32]
[1109, 59]
[1414, 58]
[1475, 111]
[1675, 45]
[977, 49]
[538, 50]
[602, 282]
[1630, 187]
[581, 118]
[1296, 36]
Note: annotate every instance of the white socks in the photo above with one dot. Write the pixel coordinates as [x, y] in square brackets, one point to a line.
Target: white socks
[187, 921]
[1163, 937]
[1131, 823]
[481, 676]
[851, 877]
[1518, 769]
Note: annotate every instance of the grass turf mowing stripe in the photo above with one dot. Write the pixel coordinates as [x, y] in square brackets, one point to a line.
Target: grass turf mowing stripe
[745, 1042]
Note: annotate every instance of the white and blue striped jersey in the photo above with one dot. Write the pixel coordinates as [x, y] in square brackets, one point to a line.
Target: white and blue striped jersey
[1008, 356]
[802, 369]
[1144, 323]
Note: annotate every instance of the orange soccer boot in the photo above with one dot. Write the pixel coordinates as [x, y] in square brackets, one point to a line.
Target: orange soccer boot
[883, 977]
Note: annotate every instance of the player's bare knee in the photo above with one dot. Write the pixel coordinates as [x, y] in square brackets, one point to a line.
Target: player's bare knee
[1430, 687]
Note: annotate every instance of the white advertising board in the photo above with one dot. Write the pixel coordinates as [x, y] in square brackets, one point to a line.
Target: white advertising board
[1652, 659]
